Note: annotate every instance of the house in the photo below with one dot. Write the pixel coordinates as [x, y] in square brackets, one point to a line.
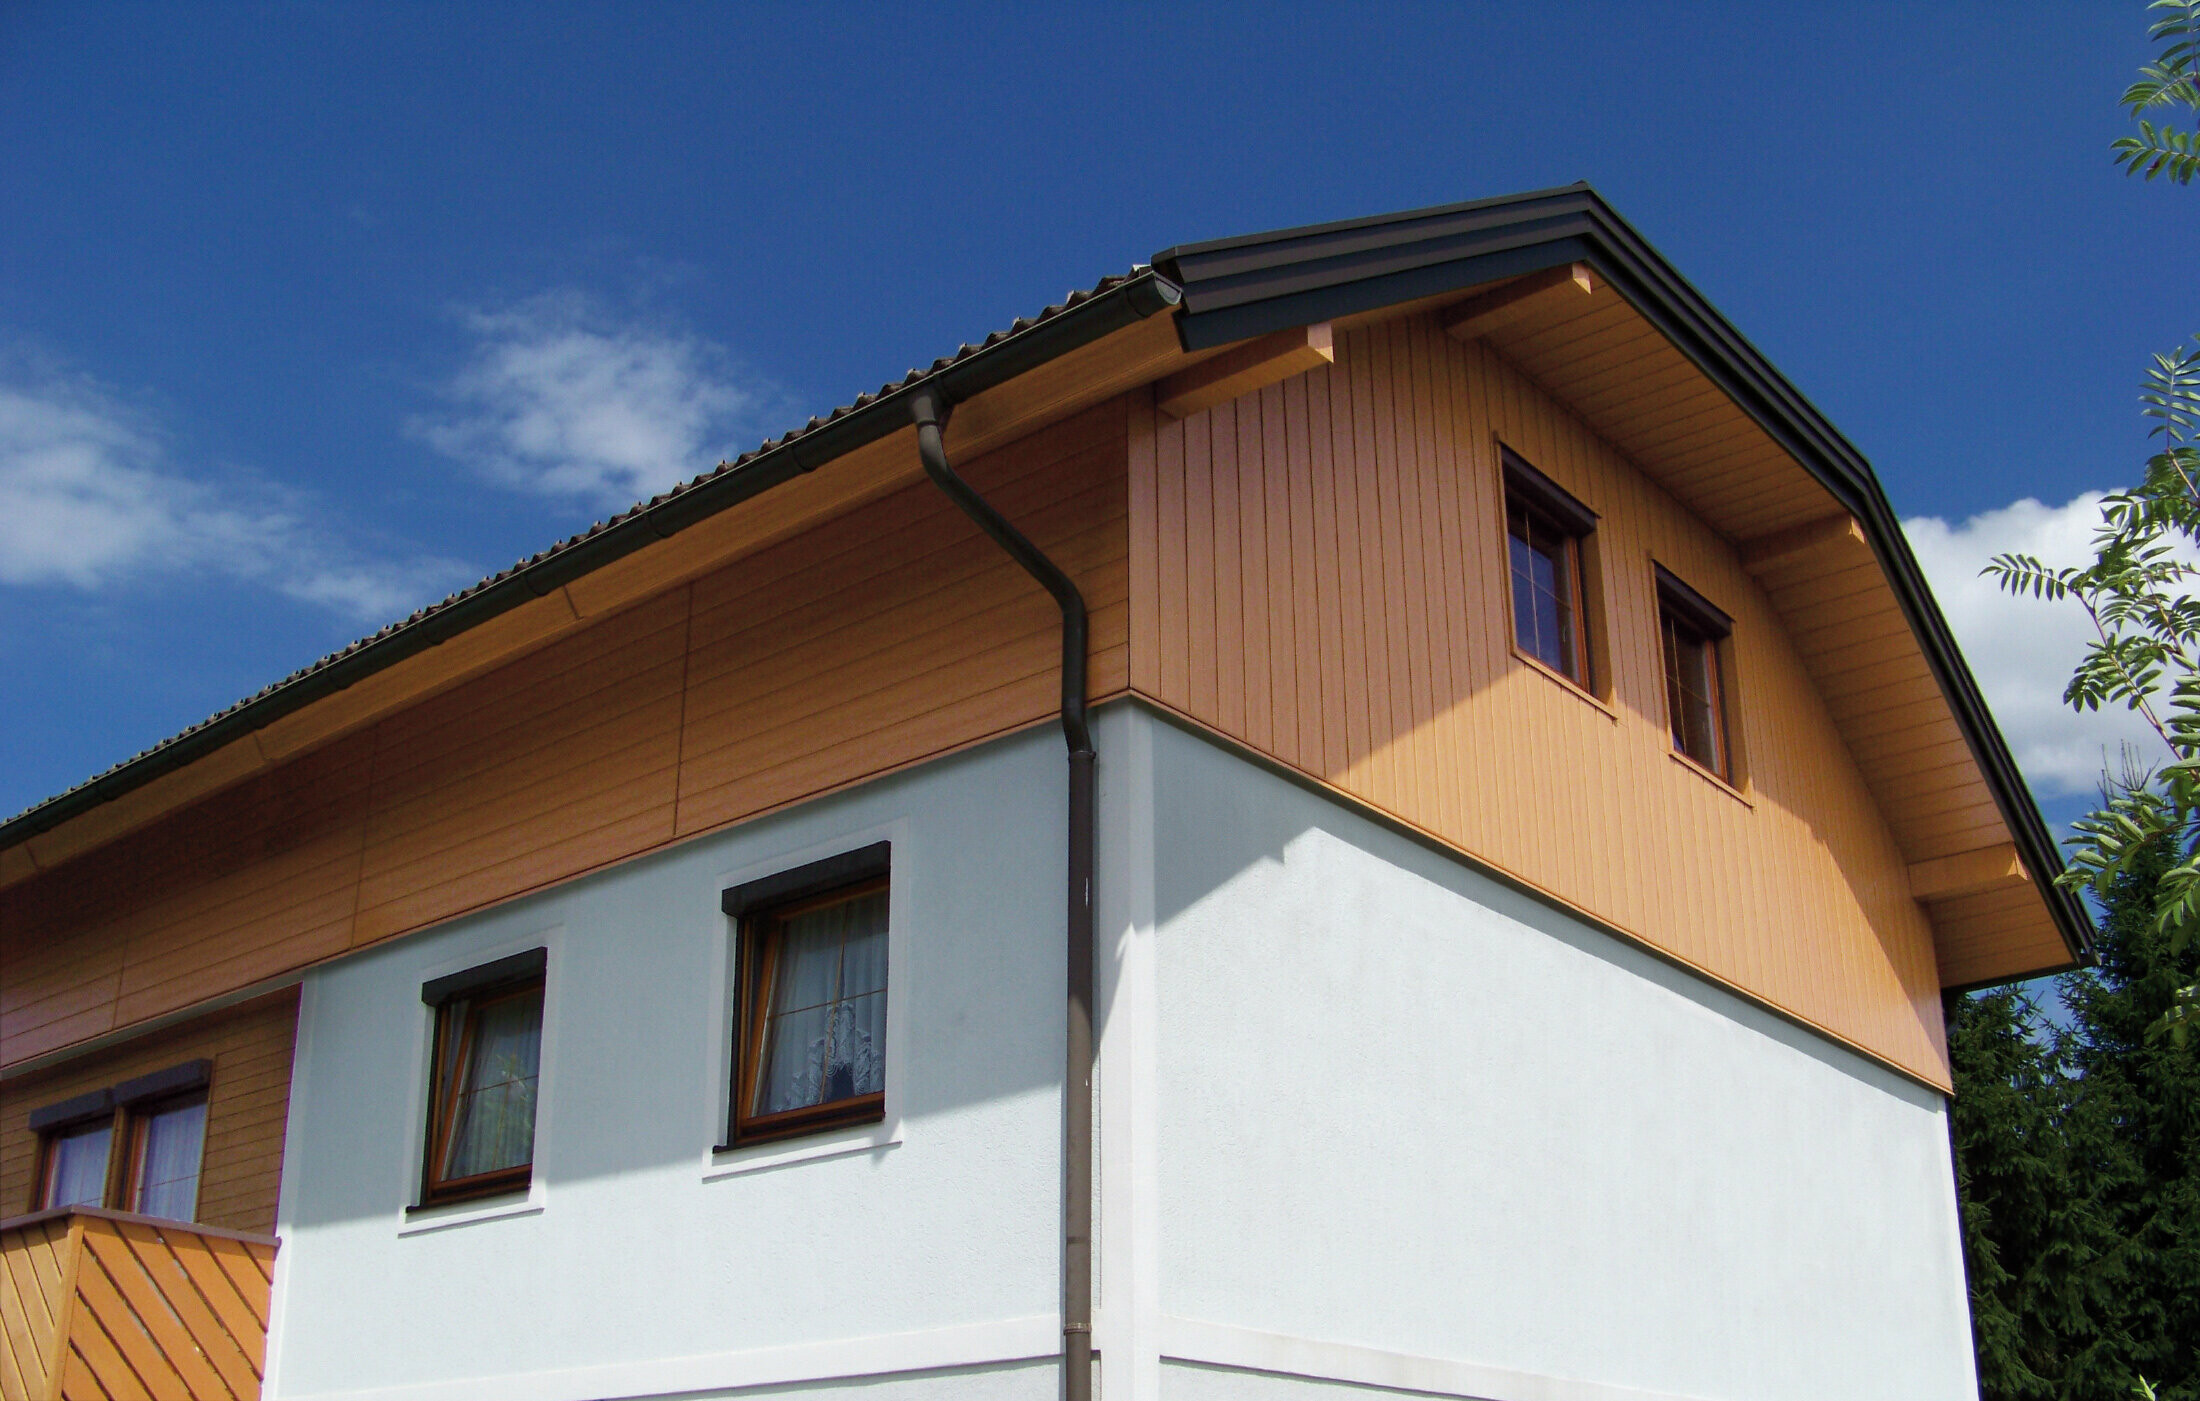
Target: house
[1536, 814]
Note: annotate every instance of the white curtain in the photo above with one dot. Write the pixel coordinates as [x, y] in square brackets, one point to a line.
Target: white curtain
[495, 1126]
[826, 1037]
[76, 1171]
[168, 1175]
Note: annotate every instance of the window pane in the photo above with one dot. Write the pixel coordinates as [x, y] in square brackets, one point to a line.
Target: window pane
[1543, 592]
[168, 1168]
[494, 1127]
[1524, 625]
[858, 1065]
[825, 1029]
[1691, 692]
[76, 1167]
[794, 1060]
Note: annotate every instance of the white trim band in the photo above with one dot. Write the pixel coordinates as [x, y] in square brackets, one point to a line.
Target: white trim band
[1032, 1339]
[1249, 1350]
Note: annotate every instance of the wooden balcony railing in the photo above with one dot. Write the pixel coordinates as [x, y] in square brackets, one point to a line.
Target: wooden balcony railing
[99, 1304]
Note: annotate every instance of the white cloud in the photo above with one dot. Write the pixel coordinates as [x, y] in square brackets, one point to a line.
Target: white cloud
[90, 497]
[2022, 650]
[558, 397]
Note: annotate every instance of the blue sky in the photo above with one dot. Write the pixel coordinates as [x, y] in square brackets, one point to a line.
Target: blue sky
[311, 313]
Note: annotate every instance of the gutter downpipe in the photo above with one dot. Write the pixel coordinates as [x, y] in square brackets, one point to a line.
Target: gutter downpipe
[930, 411]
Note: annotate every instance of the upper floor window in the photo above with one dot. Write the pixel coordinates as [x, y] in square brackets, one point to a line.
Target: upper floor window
[810, 999]
[1546, 528]
[159, 1121]
[76, 1164]
[167, 1141]
[1691, 631]
[487, 1062]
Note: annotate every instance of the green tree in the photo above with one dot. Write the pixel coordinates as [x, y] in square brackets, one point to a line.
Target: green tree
[2135, 1140]
[2146, 653]
[2078, 1170]
[2032, 1239]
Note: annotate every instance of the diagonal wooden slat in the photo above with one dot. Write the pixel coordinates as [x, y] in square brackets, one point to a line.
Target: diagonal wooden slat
[99, 1304]
[105, 1329]
[157, 1255]
[244, 1270]
[219, 1290]
[77, 1381]
[22, 1350]
[154, 1314]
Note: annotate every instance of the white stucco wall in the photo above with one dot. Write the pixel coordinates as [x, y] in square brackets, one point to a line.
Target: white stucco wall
[642, 1262]
[1369, 1116]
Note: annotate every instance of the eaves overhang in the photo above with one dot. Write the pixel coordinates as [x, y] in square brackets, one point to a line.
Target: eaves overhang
[1081, 319]
[1237, 288]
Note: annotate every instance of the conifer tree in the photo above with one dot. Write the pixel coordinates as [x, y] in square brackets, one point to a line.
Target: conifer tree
[2136, 1137]
[2078, 1170]
[2032, 1239]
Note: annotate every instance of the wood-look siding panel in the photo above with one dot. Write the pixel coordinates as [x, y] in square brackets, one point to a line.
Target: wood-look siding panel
[198, 901]
[247, 1103]
[885, 635]
[800, 669]
[1793, 890]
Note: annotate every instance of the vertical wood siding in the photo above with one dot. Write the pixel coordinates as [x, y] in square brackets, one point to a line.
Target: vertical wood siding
[887, 635]
[1329, 568]
[247, 1102]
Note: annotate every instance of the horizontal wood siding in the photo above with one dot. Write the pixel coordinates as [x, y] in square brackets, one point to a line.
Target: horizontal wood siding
[247, 1102]
[886, 635]
[1329, 567]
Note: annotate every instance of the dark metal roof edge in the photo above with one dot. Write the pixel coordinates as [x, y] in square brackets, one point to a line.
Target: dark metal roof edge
[1167, 258]
[1080, 320]
[1666, 298]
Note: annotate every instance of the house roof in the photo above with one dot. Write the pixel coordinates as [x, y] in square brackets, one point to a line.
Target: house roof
[1223, 291]
[1078, 319]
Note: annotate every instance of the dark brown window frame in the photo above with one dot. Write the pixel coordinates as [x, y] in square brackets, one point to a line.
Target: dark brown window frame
[758, 907]
[1681, 607]
[1543, 502]
[479, 987]
[123, 1107]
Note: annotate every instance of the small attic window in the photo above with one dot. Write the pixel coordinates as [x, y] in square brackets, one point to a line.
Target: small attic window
[1692, 634]
[1545, 528]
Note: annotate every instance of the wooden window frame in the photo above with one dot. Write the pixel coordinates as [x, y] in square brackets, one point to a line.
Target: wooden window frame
[478, 987]
[140, 1118]
[760, 909]
[123, 1107]
[1681, 607]
[1544, 502]
[53, 1130]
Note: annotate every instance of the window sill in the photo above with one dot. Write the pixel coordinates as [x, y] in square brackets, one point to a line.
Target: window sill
[1567, 684]
[1711, 778]
[444, 1216]
[873, 1137]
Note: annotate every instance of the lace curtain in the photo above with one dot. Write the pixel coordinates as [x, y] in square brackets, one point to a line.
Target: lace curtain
[494, 1126]
[826, 1038]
